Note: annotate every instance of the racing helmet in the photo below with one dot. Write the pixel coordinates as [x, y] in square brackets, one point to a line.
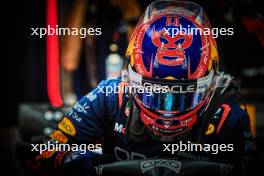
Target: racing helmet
[173, 61]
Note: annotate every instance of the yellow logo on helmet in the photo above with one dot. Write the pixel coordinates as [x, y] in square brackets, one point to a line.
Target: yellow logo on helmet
[170, 78]
[214, 55]
[210, 129]
[129, 51]
[66, 126]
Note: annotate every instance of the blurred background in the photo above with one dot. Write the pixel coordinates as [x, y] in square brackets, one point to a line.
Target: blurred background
[49, 79]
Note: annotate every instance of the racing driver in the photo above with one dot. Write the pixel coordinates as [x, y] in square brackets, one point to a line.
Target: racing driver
[172, 90]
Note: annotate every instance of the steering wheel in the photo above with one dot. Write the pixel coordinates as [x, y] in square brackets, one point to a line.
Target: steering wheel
[165, 167]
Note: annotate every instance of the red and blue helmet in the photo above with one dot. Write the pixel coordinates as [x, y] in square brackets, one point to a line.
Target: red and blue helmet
[174, 58]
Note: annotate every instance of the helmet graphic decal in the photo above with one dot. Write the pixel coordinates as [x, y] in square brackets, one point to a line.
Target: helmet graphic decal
[161, 50]
[170, 48]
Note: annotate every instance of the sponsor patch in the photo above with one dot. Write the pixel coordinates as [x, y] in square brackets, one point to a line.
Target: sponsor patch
[173, 165]
[45, 155]
[66, 126]
[210, 129]
[59, 136]
[128, 108]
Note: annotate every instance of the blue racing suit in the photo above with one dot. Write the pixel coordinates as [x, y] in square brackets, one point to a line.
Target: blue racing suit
[100, 118]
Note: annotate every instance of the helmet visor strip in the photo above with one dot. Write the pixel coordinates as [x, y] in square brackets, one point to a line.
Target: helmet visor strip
[169, 96]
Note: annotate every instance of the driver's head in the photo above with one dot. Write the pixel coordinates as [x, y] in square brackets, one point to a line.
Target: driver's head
[175, 67]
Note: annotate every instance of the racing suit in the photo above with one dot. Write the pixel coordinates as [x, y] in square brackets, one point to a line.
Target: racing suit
[101, 118]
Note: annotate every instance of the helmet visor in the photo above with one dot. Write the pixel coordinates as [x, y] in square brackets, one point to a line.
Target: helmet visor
[169, 96]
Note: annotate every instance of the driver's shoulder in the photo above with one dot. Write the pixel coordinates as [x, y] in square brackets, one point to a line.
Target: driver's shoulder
[227, 118]
[115, 95]
[236, 113]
